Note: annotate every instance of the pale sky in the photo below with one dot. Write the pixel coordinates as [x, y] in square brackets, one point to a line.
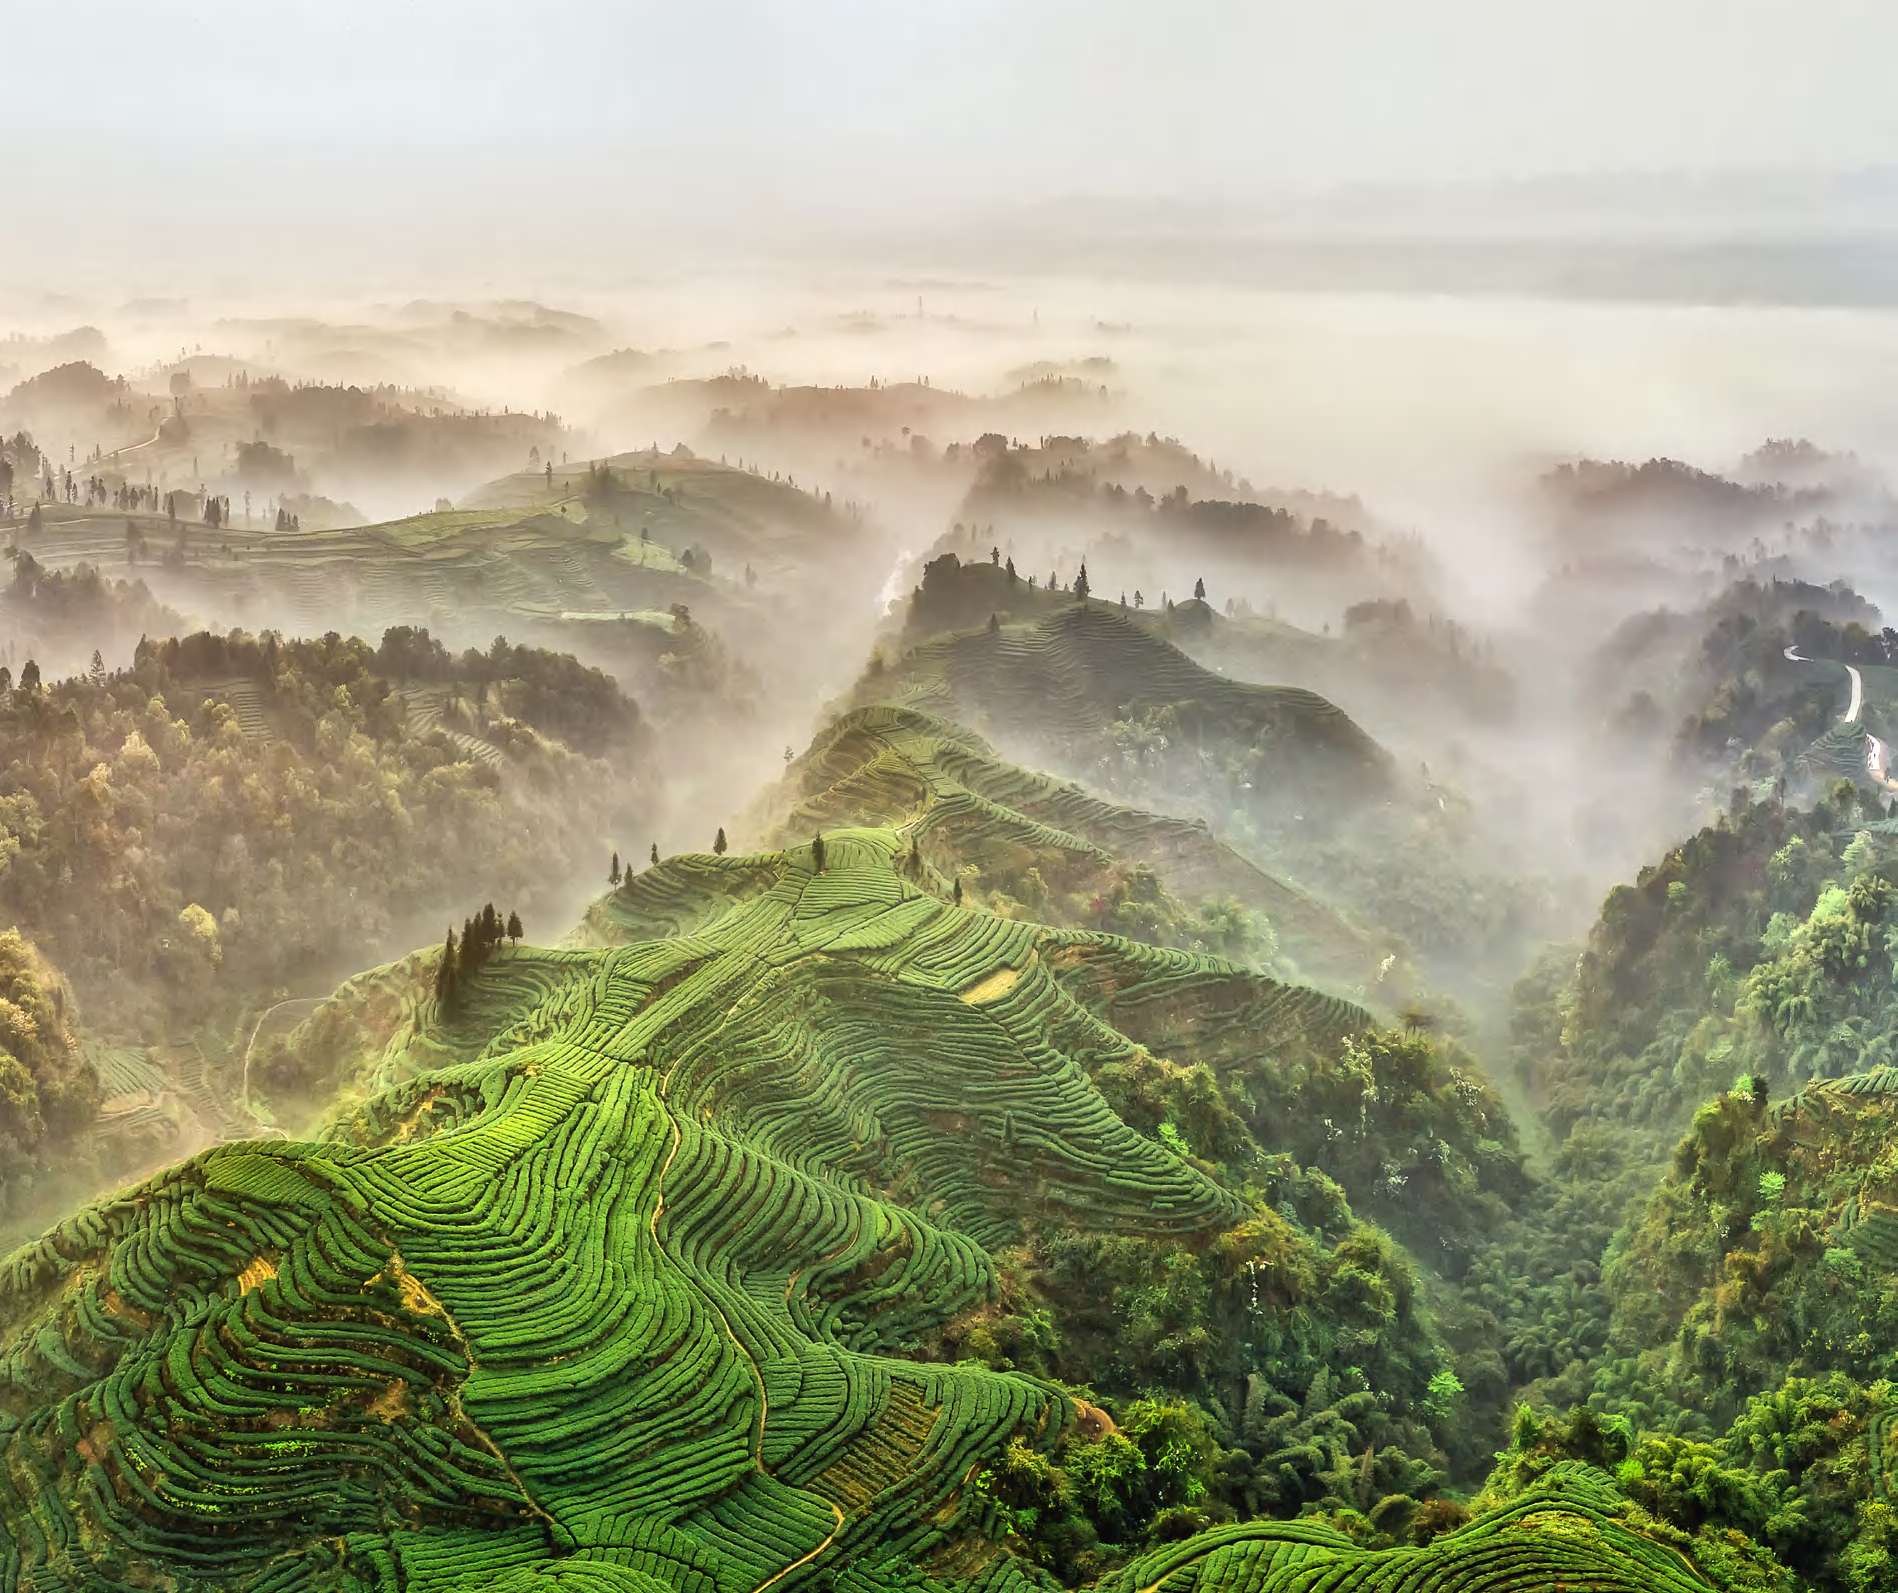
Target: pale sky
[125, 113]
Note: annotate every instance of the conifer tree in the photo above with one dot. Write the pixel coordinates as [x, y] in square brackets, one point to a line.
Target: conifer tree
[1199, 589]
[1080, 584]
[612, 877]
[817, 853]
[718, 842]
[445, 971]
[514, 927]
[958, 893]
[655, 853]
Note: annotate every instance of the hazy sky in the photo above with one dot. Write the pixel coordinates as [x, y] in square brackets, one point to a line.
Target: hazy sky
[141, 114]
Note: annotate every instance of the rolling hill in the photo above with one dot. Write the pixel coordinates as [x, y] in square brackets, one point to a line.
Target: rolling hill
[1058, 687]
[1006, 832]
[623, 1268]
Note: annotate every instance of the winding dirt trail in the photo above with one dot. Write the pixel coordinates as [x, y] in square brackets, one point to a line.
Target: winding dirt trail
[257, 1029]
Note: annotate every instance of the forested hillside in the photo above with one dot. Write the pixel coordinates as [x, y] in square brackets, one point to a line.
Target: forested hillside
[640, 953]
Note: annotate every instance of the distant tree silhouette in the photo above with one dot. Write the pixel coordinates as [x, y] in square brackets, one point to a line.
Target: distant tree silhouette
[718, 842]
[1012, 576]
[655, 852]
[995, 625]
[1080, 584]
[817, 853]
[445, 971]
[514, 927]
[1199, 590]
[613, 874]
[29, 676]
[958, 893]
[97, 671]
[995, 557]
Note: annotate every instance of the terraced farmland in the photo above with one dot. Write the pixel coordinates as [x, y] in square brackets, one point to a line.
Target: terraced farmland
[1566, 1532]
[620, 1288]
[618, 1271]
[967, 810]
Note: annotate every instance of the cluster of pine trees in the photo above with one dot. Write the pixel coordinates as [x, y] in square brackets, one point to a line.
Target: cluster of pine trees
[463, 959]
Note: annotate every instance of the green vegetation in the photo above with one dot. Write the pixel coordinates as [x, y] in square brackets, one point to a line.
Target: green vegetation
[1091, 688]
[1279, 774]
[237, 816]
[1027, 845]
[965, 1189]
[765, 1244]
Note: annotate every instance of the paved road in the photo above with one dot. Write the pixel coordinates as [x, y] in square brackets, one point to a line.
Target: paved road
[1876, 758]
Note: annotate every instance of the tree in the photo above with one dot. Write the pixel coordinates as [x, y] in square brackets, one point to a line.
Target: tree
[995, 557]
[1080, 584]
[200, 933]
[514, 927]
[718, 842]
[445, 970]
[29, 676]
[1012, 576]
[957, 898]
[817, 853]
[655, 853]
[612, 876]
[97, 671]
[995, 625]
[1199, 589]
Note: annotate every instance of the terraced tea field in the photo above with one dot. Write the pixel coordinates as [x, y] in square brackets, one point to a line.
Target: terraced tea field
[619, 1274]
[1567, 1532]
[525, 553]
[964, 807]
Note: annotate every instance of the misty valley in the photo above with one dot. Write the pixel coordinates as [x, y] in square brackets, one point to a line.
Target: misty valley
[834, 938]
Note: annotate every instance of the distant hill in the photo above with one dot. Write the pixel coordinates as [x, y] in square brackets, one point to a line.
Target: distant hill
[1068, 683]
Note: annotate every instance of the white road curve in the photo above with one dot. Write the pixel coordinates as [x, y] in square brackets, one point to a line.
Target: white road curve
[1876, 759]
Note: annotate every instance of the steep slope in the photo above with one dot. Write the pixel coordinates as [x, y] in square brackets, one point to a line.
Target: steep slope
[1018, 837]
[1770, 1248]
[626, 1272]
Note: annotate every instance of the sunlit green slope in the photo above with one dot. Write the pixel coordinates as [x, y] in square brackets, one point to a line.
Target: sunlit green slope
[629, 1270]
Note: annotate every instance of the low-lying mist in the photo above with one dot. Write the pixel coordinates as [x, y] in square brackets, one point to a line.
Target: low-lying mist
[1441, 514]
